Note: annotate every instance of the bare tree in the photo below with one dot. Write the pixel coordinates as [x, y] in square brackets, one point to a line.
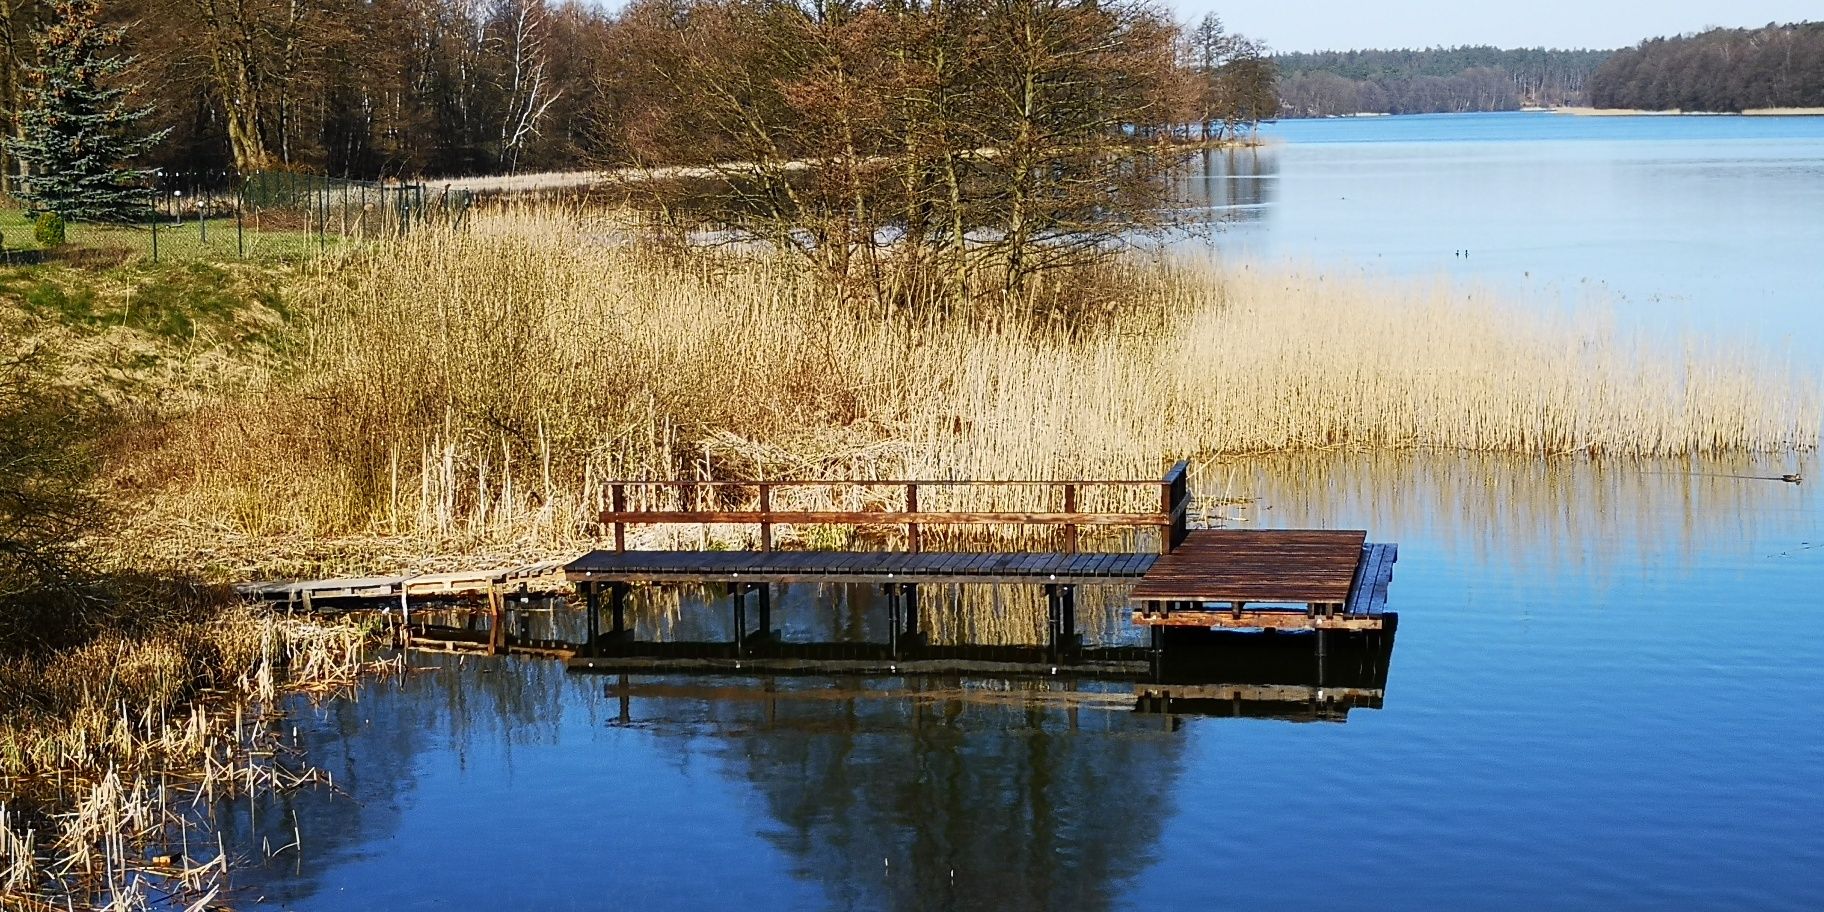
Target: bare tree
[520, 28]
[900, 144]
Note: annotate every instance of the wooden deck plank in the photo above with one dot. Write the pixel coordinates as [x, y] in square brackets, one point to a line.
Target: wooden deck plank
[1368, 593]
[1320, 567]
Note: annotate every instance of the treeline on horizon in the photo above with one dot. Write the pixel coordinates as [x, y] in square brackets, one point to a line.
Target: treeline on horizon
[1720, 70]
[372, 88]
[1432, 80]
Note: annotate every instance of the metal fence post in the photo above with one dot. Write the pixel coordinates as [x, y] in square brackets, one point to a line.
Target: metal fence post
[323, 218]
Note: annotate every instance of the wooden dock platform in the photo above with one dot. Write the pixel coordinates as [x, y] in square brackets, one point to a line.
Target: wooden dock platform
[1282, 579]
[1183, 579]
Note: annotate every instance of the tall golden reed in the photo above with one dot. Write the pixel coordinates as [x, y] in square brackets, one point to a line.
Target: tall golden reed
[486, 383]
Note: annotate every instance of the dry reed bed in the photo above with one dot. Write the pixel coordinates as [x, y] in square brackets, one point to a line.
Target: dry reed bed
[465, 389]
[106, 751]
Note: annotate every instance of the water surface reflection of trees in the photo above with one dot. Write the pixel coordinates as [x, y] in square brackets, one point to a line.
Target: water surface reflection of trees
[889, 794]
[1233, 184]
[924, 800]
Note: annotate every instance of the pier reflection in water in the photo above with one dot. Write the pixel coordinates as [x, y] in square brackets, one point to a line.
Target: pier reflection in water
[918, 793]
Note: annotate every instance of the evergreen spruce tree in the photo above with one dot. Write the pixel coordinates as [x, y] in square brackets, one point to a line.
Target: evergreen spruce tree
[76, 127]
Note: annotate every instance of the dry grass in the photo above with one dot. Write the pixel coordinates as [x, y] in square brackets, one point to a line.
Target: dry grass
[468, 390]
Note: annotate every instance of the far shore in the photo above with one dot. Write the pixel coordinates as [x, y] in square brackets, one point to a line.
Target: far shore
[1637, 112]
[567, 180]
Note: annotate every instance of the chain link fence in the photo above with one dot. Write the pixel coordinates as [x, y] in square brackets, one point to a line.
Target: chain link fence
[267, 215]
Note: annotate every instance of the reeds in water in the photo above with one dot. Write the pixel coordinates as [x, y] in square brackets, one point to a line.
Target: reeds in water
[110, 744]
[472, 389]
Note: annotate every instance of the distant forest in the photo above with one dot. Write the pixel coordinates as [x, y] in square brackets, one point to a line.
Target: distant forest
[1775, 66]
[366, 88]
[1433, 80]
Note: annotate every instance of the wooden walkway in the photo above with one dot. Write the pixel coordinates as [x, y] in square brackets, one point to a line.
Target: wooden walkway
[1317, 580]
[535, 579]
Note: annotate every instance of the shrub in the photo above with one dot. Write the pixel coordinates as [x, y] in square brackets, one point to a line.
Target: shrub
[49, 229]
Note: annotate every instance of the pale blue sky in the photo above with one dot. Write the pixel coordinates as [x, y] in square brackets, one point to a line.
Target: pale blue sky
[1309, 25]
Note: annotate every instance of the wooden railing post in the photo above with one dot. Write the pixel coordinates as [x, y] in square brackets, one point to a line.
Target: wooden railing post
[1070, 529]
[1165, 509]
[1175, 501]
[618, 502]
[912, 542]
[766, 522]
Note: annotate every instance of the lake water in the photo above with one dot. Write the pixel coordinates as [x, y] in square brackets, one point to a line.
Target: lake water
[1715, 223]
[1606, 689]
[1605, 694]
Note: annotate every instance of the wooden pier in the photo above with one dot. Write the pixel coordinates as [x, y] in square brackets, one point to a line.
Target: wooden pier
[1278, 580]
[1177, 578]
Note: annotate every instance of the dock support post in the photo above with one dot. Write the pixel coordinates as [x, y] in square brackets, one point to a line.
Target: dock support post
[497, 620]
[766, 610]
[617, 601]
[1322, 637]
[1067, 617]
[1054, 622]
[738, 596]
[592, 623]
[911, 610]
[1158, 650]
[893, 619]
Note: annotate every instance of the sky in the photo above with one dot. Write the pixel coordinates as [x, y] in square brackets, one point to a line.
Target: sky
[1313, 25]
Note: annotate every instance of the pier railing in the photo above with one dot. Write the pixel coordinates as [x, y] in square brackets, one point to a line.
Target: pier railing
[704, 502]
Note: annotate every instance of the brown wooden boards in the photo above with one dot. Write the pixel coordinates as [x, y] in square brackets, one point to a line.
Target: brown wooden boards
[1271, 566]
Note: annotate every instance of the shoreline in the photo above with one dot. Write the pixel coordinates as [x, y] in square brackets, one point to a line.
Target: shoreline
[1576, 111]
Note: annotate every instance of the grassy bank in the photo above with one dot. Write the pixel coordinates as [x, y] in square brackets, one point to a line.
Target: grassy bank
[127, 692]
[145, 339]
[274, 241]
[461, 392]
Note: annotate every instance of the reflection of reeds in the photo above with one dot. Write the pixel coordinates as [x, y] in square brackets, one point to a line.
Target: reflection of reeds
[482, 387]
[1601, 515]
[996, 615]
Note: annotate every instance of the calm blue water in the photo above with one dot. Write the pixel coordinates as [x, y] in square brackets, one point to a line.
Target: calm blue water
[1607, 689]
[1605, 694]
[1711, 223]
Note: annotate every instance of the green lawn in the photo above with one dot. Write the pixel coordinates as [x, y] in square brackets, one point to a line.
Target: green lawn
[217, 241]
